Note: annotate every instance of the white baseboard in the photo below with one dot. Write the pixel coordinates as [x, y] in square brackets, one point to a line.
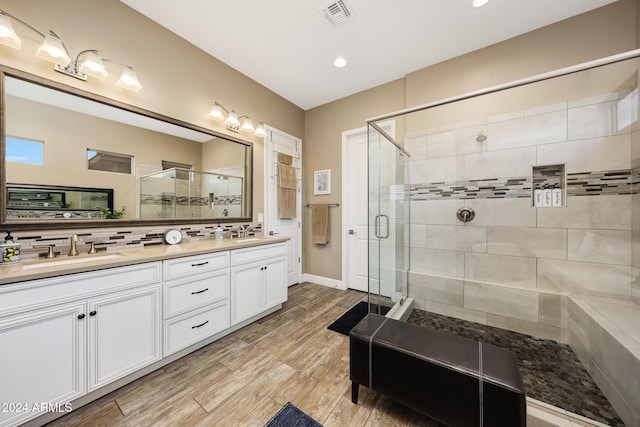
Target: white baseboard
[324, 281]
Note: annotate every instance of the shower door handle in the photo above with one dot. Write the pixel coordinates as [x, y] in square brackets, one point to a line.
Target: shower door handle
[377, 226]
[387, 228]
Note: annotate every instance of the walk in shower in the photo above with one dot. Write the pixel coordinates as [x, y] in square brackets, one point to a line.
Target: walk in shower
[518, 207]
[388, 220]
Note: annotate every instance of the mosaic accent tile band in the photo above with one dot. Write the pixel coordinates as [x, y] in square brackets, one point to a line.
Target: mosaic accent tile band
[615, 182]
[112, 240]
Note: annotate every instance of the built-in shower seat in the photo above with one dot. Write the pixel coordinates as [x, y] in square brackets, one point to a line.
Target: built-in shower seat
[454, 380]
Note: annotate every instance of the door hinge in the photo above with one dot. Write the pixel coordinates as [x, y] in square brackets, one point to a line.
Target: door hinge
[298, 259]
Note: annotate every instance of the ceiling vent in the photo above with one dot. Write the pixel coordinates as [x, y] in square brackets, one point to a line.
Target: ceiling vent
[338, 12]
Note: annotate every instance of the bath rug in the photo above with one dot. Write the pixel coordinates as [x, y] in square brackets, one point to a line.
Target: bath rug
[353, 316]
[290, 416]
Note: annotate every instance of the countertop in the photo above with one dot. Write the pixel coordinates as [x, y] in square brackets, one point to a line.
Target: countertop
[61, 265]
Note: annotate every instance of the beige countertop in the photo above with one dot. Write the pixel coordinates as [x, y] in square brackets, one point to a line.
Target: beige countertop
[61, 265]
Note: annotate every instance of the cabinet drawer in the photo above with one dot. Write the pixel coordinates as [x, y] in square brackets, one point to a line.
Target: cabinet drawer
[196, 291]
[36, 293]
[240, 256]
[181, 267]
[189, 329]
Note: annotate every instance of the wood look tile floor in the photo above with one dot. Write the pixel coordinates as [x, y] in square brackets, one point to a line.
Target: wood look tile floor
[246, 377]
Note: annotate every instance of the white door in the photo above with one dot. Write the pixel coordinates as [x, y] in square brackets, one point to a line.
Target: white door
[279, 142]
[355, 207]
[124, 334]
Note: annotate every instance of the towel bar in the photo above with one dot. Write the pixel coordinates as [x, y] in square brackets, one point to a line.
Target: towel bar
[331, 205]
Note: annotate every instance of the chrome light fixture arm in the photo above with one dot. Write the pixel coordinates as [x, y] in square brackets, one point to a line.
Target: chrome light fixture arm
[3, 12]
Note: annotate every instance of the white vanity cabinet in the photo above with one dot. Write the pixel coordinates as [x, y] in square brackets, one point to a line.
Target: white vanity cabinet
[196, 301]
[258, 280]
[63, 337]
[42, 359]
[124, 334]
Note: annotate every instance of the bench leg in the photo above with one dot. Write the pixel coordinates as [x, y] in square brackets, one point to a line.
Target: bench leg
[354, 391]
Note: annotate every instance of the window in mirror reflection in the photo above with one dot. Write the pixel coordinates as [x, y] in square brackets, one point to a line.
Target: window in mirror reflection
[180, 173]
[21, 150]
[109, 162]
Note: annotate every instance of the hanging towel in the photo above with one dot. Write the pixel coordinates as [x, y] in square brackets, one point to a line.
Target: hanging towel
[320, 223]
[286, 203]
[285, 159]
[286, 176]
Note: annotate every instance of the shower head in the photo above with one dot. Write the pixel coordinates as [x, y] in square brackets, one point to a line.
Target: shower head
[481, 136]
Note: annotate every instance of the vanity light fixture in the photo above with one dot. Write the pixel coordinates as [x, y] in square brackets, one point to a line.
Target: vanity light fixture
[54, 50]
[235, 123]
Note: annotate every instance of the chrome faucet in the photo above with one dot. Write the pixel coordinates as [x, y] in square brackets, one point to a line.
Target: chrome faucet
[73, 250]
[241, 232]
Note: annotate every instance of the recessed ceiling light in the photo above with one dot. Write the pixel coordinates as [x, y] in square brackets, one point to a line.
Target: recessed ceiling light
[479, 3]
[340, 62]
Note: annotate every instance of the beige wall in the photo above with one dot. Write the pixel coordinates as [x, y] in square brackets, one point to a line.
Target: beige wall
[322, 148]
[605, 31]
[178, 79]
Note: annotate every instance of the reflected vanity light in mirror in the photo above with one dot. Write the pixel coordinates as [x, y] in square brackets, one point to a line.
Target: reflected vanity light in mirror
[234, 123]
[70, 121]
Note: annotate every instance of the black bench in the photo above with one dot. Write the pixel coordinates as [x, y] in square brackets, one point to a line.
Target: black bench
[454, 380]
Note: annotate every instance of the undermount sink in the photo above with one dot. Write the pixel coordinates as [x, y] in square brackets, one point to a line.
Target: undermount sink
[245, 239]
[70, 261]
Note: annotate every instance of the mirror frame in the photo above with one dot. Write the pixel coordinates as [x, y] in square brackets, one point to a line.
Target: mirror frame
[64, 224]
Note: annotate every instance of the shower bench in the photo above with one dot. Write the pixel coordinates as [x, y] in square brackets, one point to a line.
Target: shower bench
[454, 380]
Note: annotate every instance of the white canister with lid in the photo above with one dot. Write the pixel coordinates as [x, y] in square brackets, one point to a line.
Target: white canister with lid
[9, 250]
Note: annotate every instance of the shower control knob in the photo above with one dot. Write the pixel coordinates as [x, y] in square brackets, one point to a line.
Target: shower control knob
[465, 214]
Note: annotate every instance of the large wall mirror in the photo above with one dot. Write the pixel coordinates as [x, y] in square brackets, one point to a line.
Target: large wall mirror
[74, 159]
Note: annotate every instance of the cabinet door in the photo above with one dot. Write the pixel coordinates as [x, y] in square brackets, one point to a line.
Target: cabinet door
[246, 292]
[124, 334]
[42, 359]
[275, 281]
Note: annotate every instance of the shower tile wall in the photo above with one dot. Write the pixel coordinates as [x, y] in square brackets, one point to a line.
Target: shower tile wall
[511, 265]
[635, 224]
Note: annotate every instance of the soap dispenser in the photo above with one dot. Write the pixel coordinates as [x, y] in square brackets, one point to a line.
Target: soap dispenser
[218, 233]
[557, 196]
[546, 196]
[537, 196]
[9, 250]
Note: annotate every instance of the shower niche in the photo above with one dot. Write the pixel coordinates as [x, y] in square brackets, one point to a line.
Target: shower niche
[548, 186]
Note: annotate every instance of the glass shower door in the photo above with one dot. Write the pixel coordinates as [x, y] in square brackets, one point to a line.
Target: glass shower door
[388, 220]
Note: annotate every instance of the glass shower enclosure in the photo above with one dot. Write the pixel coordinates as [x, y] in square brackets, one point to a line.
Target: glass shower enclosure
[388, 221]
[185, 193]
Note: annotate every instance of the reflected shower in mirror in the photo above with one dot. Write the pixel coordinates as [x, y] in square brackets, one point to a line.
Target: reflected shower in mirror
[54, 138]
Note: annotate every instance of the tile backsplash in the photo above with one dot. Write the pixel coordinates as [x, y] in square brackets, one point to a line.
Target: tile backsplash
[114, 239]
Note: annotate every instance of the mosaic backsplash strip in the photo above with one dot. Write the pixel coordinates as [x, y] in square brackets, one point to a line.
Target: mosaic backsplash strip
[613, 182]
[114, 240]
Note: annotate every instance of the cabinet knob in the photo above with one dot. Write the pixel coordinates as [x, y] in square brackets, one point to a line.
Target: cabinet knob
[93, 313]
[80, 316]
